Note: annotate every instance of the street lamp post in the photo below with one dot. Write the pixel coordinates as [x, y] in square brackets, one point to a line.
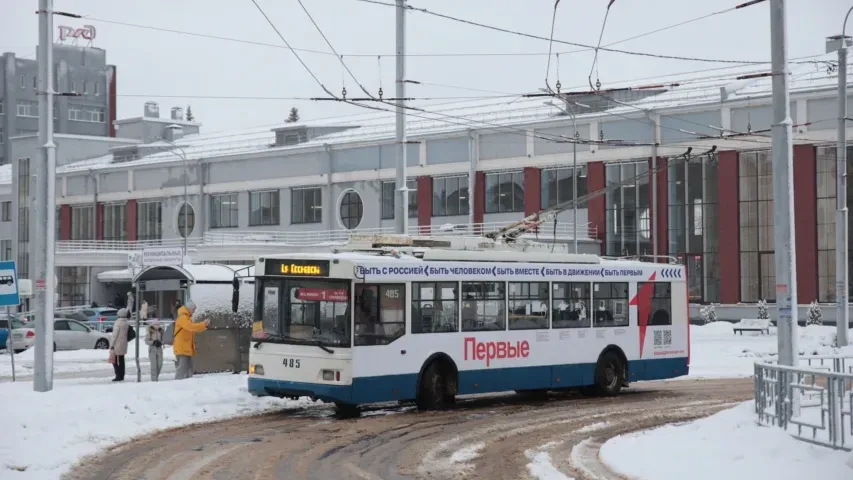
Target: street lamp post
[183, 156]
[571, 112]
[842, 316]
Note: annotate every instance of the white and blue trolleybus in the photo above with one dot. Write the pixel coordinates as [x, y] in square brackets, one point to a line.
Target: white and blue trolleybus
[426, 325]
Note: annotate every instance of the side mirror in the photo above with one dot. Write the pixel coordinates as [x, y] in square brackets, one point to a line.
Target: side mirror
[235, 295]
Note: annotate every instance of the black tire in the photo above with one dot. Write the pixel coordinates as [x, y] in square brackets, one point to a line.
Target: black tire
[102, 344]
[346, 410]
[19, 350]
[609, 375]
[434, 392]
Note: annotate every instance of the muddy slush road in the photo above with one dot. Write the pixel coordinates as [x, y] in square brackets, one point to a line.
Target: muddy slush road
[481, 438]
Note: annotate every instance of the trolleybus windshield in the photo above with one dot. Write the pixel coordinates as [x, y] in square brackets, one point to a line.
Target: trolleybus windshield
[303, 312]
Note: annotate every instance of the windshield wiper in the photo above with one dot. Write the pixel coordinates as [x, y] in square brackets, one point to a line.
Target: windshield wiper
[270, 339]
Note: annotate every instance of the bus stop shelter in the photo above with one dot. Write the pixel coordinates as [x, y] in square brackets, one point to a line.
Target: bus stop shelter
[224, 346]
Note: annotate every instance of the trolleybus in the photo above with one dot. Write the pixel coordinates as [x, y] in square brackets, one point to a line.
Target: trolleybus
[376, 326]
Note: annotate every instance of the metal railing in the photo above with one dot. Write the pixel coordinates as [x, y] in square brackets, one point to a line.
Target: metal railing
[564, 230]
[813, 403]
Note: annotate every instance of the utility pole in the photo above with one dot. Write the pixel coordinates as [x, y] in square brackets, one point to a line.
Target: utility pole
[842, 315]
[654, 212]
[783, 189]
[402, 203]
[45, 199]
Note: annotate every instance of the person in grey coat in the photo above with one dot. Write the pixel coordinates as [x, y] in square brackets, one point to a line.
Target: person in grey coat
[118, 344]
[154, 340]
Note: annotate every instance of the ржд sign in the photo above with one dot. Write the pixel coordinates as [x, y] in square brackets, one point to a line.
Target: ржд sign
[162, 256]
[86, 33]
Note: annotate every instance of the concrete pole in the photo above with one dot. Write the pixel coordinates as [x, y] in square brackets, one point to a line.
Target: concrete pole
[402, 213]
[574, 181]
[473, 152]
[842, 316]
[45, 199]
[654, 212]
[783, 189]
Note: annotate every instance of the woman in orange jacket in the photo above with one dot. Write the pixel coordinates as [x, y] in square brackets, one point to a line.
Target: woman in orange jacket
[184, 340]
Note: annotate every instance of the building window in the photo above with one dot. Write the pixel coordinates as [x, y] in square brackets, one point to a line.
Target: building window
[223, 211]
[306, 205]
[73, 86]
[97, 88]
[528, 305]
[757, 259]
[149, 221]
[483, 306]
[570, 308]
[73, 287]
[115, 225]
[27, 108]
[23, 81]
[7, 211]
[693, 233]
[504, 192]
[380, 313]
[352, 210]
[81, 113]
[35, 82]
[263, 208]
[610, 304]
[1, 107]
[628, 209]
[450, 196]
[558, 185]
[435, 307]
[23, 217]
[85, 87]
[82, 222]
[186, 220]
[6, 249]
[1, 132]
[389, 196]
[826, 197]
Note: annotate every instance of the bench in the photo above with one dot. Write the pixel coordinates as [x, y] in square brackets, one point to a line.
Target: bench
[752, 325]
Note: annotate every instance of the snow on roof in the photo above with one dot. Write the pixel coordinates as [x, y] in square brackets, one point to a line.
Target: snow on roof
[493, 114]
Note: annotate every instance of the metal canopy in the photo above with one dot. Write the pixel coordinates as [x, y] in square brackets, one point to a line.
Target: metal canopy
[163, 273]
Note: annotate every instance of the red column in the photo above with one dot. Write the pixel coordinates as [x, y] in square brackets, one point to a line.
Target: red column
[130, 216]
[532, 190]
[729, 227]
[596, 211]
[424, 204]
[661, 235]
[479, 203]
[65, 222]
[99, 221]
[111, 79]
[805, 218]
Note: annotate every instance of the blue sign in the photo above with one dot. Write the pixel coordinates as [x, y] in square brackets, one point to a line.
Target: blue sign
[9, 295]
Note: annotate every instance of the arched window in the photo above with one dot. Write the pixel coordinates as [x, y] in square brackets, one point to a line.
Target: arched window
[186, 220]
[352, 210]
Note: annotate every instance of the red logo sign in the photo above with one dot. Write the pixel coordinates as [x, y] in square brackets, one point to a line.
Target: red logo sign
[489, 351]
[87, 32]
[323, 294]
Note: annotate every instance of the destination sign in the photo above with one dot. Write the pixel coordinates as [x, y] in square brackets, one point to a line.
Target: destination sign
[297, 268]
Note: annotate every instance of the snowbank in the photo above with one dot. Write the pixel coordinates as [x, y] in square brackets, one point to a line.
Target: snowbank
[726, 445]
[50, 431]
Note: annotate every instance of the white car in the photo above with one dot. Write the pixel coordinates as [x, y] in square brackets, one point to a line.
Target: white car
[68, 334]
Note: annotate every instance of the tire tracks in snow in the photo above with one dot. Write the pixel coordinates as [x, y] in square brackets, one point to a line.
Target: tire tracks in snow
[491, 437]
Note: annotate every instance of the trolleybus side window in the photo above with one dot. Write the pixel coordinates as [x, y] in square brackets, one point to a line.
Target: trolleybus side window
[435, 307]
[654, 301]
[528, 305]
[610, 304]
[380, 313]
[571, 305]
[483, 306]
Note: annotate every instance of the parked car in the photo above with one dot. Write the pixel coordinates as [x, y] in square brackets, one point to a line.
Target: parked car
[4, 328]
[99, 318]
[68, 334]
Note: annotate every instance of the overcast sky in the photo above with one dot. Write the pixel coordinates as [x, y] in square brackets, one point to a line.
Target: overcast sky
[152, 63]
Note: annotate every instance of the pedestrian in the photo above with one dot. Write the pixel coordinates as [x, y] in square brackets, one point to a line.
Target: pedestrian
[119, 343]
[154, 340]
[184, 340]
[118, 301]
[130, 302]
[143, 310]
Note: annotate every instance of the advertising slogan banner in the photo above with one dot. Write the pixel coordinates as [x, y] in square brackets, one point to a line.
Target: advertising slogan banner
[506, 272]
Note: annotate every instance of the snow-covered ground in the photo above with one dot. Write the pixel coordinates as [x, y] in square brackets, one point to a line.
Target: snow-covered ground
[727, 445]
[45, 433]
[78, 361]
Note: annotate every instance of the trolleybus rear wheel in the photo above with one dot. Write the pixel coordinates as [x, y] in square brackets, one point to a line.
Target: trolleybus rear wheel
[435, 393]
[609, 375]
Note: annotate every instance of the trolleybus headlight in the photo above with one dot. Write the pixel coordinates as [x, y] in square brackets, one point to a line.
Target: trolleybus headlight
[331, 375]
[256, 369]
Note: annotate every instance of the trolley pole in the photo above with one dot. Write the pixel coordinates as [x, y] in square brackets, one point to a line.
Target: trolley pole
[402, 213]
[783, 190]
[45, 220]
